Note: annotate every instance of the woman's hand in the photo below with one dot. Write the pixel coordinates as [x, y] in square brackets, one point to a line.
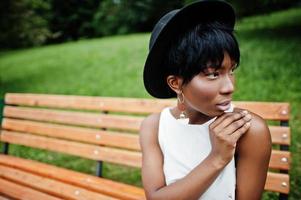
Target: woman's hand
[224, 134]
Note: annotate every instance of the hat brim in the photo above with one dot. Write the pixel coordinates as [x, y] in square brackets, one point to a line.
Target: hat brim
[154, 74]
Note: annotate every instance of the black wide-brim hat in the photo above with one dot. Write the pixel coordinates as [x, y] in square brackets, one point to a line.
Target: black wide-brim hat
[170, 26]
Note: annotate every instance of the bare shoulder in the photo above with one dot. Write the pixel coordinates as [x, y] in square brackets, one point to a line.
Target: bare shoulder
[149, 129]
[257, 135]
[151, 120]
[253, 152]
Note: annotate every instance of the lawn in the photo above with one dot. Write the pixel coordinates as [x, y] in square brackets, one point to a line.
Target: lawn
[270, 70]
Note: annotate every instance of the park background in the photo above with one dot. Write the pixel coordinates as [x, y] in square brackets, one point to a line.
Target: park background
[98, 48]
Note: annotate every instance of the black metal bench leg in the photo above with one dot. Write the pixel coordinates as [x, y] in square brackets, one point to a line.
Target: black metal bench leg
[5, 148]
[99, 169]
[283, 196]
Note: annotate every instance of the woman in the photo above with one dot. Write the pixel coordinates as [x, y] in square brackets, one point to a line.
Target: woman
[203, 148]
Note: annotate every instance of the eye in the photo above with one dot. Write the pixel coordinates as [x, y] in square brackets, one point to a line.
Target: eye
[233, 69]
[213, 75]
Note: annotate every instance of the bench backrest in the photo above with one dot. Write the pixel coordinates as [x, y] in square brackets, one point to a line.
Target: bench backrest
[105, 128]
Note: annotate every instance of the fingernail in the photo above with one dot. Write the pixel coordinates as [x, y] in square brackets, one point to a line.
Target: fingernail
[244, 112]
[248, 116]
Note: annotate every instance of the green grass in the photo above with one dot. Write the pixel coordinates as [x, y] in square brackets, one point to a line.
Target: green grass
[270, 71]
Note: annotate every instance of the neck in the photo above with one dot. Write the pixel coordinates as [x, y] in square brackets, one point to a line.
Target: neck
[194, 116]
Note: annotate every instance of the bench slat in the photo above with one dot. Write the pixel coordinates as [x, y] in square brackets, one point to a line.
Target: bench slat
[277, 182]
[280, 135]
[46, 185]
[93, 152]
[21, 192]
[109, 138]
[280, 160]
[88, 135]
[75, 118]
[267, 110]
[101, 120]
[273, 183]
[105, 186]
[114, 104]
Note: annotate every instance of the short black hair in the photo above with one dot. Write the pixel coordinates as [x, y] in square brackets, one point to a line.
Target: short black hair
[190, 52]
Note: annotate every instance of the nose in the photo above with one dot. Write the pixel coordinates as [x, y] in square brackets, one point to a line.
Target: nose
[227, 85]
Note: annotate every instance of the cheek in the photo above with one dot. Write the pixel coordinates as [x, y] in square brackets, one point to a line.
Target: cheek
[203, 91]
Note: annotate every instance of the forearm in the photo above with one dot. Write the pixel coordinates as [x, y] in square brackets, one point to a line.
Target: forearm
[194, 184]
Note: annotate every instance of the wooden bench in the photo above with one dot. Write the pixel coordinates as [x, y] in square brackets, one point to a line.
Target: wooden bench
[101, 129]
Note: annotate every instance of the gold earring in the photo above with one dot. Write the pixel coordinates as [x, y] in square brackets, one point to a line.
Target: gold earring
[181, 106]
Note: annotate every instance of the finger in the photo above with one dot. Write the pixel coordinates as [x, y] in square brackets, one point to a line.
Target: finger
[241, 131]
[219, 119]
[225, 115]
[229, 120]
[231, 128]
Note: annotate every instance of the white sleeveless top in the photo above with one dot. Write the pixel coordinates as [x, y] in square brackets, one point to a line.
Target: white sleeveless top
[184, 146]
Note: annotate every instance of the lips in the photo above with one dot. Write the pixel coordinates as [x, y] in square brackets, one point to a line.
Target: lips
[225, 105]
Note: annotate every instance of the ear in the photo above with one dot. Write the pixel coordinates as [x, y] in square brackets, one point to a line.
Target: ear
[175, 83]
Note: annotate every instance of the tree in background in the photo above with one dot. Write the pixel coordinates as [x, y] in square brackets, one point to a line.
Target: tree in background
[23, 23]
[245, 8]
[120, 16]
[71, 19]
[26, 23]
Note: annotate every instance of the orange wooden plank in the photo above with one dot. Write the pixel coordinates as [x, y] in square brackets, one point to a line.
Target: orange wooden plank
[49, 186]
[87, 135]
[93, 152]
[75, 118]
[115, 104]
[280, 160]
[277, 182]
[17, 191]
[105, 186]
[280, 135]
[268, 110]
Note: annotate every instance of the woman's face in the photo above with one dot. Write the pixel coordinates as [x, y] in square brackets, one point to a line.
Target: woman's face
[210, 92]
